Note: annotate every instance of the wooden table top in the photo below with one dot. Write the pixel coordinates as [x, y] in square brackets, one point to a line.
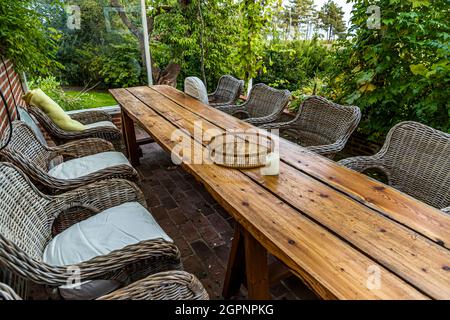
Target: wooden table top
[335, 228]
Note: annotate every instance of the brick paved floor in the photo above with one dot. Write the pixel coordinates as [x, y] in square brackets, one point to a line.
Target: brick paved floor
[200, 227]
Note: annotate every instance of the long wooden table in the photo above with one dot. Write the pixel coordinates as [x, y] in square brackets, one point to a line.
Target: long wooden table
[345, 235]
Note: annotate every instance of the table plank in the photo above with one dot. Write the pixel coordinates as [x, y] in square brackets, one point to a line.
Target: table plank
[396, 205]
[411, 256]
[335, 271]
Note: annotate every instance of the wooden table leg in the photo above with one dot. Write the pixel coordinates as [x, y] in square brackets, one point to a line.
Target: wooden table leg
[247, 265]
[235, 275]
[256, 268]
[130, 138]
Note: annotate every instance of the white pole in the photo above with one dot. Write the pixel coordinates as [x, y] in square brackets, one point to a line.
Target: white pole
[250, 85]
[148, 61]
[25, 83]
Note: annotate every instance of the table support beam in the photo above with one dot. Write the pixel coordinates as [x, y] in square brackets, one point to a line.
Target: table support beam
[129, 136]
[247, 265]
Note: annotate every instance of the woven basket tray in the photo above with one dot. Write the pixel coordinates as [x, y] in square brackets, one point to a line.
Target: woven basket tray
[240, 149]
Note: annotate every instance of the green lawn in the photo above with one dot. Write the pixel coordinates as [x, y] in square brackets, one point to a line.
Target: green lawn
[94, 99]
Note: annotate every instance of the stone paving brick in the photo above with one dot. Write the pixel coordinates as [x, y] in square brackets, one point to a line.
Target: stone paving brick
[199, 226]
[189, 231]
[211, 237]
[169, 203]
[222, 252]
[152, 201]
[219, 223]
[183, 246]
[159, 212]
[177, 216]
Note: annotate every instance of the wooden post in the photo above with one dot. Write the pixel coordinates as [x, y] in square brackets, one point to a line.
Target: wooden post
[247, 265]
[256, 268]
[235, 275]
[130, 138]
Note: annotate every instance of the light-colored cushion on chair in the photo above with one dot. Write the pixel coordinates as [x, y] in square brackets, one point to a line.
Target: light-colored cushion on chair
[25, 117]
[195, 87]
[100, 124]
[112, 229]
[39, 99]
[83, 166]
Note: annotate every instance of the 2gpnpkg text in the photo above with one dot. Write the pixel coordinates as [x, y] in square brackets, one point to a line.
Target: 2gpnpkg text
[222, 309]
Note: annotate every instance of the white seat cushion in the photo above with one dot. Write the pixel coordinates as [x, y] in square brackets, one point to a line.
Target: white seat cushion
[83, 166]
[112, 229]
[100, 124]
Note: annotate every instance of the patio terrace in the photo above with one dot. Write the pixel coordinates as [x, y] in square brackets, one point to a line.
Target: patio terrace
[200, 227]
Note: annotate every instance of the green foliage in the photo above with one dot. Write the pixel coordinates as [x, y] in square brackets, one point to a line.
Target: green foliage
[52, 88]
[102, 52]
[255, 17]
[303, 59]
[25, 38]
[177, 32]
[399, 72]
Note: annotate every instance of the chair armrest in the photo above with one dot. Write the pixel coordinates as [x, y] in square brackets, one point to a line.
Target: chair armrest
[275, 125]
[232, 109]
[169, 285]
[7, 293]
[150, 256]
[85, 147]
[263, 120]
[102, 195]
[88, 117]
[328, 150]
[56, 185]
[361, 163]
[446, 210]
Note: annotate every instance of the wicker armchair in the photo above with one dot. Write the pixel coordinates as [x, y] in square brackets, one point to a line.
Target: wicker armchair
[7, 293]
[264, 105]
[27, 218]
[321, 125]
[167, 285]
[416, 160]
[27, 152]
[107, 132]
[227, 92]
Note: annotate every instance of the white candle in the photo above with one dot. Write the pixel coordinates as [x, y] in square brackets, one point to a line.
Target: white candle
[272, 167]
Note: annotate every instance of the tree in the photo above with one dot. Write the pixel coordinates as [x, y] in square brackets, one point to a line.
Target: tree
[394, 78]
[255, 17]
[331, 18]
[26, 39]
[300, 12]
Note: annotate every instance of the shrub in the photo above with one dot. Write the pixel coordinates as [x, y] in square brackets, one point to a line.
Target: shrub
[293, 64]
[25, 39]
[400, 71]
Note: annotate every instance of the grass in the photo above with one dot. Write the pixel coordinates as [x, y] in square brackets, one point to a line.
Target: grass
[93, 99]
